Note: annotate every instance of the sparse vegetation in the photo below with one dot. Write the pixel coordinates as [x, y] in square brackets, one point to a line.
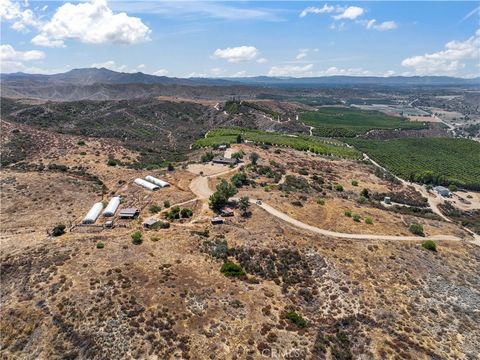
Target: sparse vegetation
[368, 220]
[231, 269]
[321, 201]
[416, 229]
[429, 245]
[356, 217]
[137, 238]
[186, 213]
[112, 162]
[166, 204]
[338, 187]
[100, 245]
[154, 208]
[296, 319]
[354, 183]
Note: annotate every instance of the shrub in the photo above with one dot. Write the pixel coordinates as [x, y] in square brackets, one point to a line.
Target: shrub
[207, 157]
[416, 229]
[354, 182]
[239, 179]
[321, 201]
[155, 238]
[100, 245]
[452, 187]
[303, 171]
[154, 208]
[237, 155]
[356, 217]
[254, 158]
[364, 193]
[231, 269]
[112, 162]
[348, 213]
[429, 245]
[369, 220]
[362, 199]
[173, 214]
[83, 153]
[170, 167]
[81, 143]
[297, 203]
[339, 187]
[296, 319]
[58, 230]
[137, 237]
[186, 213]
[166, 203]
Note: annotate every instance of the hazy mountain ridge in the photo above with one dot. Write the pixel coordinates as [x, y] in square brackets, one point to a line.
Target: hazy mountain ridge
[103, 84]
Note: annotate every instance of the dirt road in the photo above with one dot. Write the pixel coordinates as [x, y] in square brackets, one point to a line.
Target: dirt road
[200, 187]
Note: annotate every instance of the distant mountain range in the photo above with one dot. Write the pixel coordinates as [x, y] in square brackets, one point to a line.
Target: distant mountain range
[90, 76]
[94, 83]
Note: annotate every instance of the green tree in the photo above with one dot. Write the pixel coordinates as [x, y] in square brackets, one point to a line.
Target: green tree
[254, 158]
[244, 205]
[239, 139]
[219, 198]
[170, 167]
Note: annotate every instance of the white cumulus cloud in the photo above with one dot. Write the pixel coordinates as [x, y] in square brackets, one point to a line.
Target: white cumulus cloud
[384, 26]
[18, 14]
[91, 22]
[291, 70]
[316, 10]
[236, 54]
[111, 65]
[448, 61]
[350, 13]
[12, 60]
[8, 53]
[262, 61]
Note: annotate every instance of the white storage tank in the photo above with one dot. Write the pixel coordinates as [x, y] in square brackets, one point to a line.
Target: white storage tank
[93, 213]
[156, 181]
[146, 184]
[112, 206]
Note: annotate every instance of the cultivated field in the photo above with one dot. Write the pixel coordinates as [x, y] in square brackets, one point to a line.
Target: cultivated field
[428, 160]
[348, 122]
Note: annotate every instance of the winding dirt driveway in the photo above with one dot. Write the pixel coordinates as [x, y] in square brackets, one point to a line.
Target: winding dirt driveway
[200, 187]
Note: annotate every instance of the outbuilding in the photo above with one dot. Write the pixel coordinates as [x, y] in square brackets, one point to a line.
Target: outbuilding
[442, 191]
[112, 206]
[147, 224]
[93, 214]
[156, 181]
[387, 200]
[129, 213]
[222, 147]
[146, 184]
[226, 211]
[225, 161]
[217, 221]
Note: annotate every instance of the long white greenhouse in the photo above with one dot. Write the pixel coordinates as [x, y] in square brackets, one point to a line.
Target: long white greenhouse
[146, 184]
[156, 181]
[112, 206]
[93, 213]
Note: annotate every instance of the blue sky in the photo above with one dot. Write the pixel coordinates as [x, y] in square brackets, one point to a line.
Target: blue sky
[243, 38]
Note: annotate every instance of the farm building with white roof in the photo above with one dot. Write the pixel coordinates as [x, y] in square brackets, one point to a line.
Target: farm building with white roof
[146, 184]
[93, 213]
[156, 181]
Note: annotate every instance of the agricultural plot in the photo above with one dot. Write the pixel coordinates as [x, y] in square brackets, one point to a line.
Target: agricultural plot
[428, 160]
[346, 122]
[317, 146]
